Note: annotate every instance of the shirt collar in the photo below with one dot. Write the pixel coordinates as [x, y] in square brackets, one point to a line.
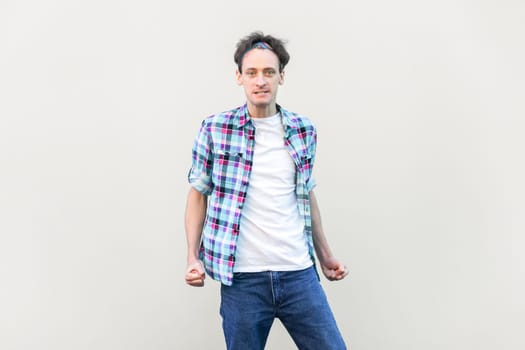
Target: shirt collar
[242, 117]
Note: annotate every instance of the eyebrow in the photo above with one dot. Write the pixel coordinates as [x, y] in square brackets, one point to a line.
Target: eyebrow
[265, 68]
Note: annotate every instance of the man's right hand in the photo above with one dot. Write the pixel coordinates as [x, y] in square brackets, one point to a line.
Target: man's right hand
[195, 274]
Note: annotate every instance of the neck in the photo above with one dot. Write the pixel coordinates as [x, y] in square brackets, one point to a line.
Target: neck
[262, 111]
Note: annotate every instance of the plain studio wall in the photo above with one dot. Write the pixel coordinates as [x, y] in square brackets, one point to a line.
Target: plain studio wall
[419, 107]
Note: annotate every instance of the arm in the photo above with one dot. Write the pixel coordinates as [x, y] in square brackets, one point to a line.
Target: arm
[196, 205]
[332, 268]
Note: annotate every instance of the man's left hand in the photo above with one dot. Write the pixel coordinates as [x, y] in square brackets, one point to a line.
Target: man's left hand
[333, 269]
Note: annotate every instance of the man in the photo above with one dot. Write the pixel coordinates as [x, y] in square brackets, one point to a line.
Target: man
[252, 219]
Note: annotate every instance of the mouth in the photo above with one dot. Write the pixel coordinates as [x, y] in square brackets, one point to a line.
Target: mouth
[261, 92]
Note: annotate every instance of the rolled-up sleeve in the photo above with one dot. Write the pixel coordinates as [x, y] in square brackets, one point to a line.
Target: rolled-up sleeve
[310, 184]
[199, 175]
[312, 144]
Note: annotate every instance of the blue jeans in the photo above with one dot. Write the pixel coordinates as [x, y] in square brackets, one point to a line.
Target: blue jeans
[254, 300]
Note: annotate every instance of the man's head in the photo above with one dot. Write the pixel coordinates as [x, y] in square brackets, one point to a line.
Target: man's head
[258, 39]
[260, 60]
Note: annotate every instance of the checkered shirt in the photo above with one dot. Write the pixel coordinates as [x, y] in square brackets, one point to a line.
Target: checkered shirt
[222, 158]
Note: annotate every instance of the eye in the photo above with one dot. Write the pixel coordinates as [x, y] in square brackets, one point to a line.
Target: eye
[250, 73]
[269, 73]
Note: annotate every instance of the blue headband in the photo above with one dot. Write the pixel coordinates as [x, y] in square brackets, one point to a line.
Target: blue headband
[261, 45]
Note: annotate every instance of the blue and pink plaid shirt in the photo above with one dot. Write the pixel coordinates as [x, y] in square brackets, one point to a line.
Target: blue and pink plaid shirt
[222, 158]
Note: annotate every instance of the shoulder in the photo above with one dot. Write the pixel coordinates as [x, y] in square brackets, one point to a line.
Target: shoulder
[223, 119]
[297, 120]
[301, 129]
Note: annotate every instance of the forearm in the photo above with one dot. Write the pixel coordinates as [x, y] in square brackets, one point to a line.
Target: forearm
[332, 268]
[196, 205]
[322, 248]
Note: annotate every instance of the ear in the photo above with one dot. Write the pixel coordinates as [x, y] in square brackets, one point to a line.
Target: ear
[281, 80]
[238, 77]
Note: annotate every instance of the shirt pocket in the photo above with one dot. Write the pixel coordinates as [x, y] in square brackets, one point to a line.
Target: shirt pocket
[228, 168]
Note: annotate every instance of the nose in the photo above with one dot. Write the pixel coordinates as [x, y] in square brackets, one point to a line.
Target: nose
[260, 80]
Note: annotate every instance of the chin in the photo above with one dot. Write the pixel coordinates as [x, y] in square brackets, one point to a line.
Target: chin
[262, 103]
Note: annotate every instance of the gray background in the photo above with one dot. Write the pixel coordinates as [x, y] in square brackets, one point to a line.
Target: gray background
[419, 107]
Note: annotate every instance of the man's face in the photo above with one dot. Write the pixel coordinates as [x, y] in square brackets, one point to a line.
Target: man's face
[260, 78]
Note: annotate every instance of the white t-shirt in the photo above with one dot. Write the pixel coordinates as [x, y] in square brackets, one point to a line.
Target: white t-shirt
[271, 233]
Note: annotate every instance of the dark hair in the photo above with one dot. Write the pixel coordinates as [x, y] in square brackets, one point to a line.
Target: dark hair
[246, 44]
